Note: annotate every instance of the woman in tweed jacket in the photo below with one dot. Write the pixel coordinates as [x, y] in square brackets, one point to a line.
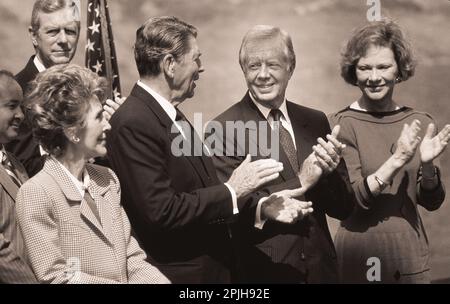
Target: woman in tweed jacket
[75, 229]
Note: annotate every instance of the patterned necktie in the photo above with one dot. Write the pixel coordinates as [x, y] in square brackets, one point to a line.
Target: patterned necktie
[91, 203]
[285, 139]
[10, 170]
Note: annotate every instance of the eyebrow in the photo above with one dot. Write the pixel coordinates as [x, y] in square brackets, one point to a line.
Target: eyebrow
[100, 112]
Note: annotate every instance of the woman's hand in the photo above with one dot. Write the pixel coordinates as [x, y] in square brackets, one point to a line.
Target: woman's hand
[407, 143]
[431, 147]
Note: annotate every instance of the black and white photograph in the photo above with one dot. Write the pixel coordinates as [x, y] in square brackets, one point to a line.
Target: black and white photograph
[234, 143]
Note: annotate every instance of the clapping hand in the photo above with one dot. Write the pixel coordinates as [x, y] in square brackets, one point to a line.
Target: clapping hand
[407, 143]
[251, 175]
[283, 207]
[323, 160]
[431, 147]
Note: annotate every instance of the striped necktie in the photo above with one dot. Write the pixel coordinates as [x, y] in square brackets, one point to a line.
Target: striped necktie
[9, 168]
[285, 139]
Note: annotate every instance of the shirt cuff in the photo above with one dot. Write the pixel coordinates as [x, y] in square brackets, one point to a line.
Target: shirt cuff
[259, 223]
[42, 151]
[233, 198]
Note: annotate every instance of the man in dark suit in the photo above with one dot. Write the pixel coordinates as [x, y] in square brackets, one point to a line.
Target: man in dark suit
[271, 252]
[54, 32]
[13, 265]
[175, 202]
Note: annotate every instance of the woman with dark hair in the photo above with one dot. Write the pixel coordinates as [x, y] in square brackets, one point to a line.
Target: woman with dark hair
[75, 229]
[390, 154]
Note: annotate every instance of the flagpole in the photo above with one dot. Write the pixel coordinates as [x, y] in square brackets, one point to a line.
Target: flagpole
[106, 48]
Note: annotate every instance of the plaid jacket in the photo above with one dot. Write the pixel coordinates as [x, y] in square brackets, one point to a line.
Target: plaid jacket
[65, 241]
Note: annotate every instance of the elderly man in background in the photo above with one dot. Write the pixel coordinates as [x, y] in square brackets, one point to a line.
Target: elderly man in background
[268, 251]
[54, 31]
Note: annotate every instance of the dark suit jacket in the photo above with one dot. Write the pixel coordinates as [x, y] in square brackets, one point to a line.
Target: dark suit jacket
[13, 265]
[280, 253]
[24, 147]
[176, 205]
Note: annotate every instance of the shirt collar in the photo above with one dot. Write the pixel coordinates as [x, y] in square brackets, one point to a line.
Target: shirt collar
[2, 151]
[266, 111]
[38, 64]
[164, 103]
[81, 186]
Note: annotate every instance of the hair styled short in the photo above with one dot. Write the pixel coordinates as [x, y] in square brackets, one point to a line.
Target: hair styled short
[59, 98]
[385, 33]
[50, 6]
[266, 32]
[158, 37]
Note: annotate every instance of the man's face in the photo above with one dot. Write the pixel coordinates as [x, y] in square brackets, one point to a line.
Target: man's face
[11, 115]
[57, 37]
[186, 72]
[267, 71]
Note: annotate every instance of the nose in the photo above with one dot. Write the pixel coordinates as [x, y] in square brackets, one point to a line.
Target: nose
[263, 72]
[62, 37]
[374, 75]
[106, 125]
[201, 68]
[19, 114]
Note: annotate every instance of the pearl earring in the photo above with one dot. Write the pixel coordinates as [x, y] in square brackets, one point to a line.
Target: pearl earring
[75, 139]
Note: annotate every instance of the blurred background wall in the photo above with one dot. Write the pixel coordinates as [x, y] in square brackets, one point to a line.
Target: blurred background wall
[319, 29]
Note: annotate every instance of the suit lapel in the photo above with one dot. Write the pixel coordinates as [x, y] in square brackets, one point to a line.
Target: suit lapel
[303, 141]
[8, 184]
[72, 194]
[98, 190]
[18, 168]
[197, 162]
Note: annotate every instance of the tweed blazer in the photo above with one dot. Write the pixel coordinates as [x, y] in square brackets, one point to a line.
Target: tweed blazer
[13, 264]
[65, 241]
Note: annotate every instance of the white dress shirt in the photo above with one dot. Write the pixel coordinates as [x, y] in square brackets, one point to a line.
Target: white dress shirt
[40, 67]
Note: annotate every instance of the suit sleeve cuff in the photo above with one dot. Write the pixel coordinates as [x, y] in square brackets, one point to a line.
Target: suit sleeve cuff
[259, 223]
[233, 198]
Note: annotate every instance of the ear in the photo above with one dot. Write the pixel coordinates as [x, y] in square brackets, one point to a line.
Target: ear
[33, 36]
[168, 65]
[71, 134]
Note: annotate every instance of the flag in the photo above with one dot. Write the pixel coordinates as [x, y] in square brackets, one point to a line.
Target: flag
[100, 51]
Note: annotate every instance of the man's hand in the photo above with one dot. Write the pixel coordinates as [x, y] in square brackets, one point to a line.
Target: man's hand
[323, 160]
[251, 175]
[431, 147]
[283, 207]
[111, 106]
